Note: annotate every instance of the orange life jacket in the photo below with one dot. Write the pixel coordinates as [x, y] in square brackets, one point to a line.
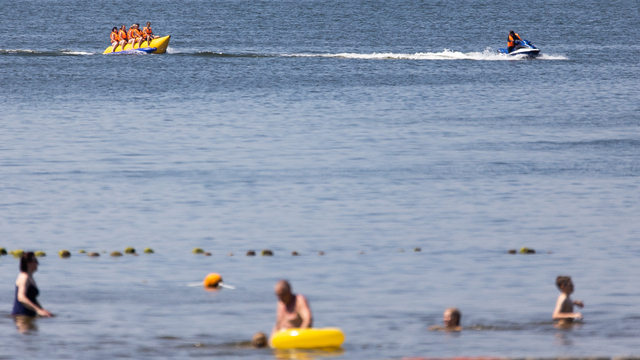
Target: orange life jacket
[114, 36]
[123, 35]
[147, 31]
[134, 33]
[512, 40]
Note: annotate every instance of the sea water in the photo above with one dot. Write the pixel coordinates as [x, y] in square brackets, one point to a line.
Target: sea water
[360, 129]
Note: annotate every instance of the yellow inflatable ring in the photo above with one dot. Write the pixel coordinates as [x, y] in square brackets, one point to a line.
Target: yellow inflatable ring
[307, 338]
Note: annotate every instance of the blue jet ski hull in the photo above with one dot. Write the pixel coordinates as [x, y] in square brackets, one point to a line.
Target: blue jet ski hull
[522, 48]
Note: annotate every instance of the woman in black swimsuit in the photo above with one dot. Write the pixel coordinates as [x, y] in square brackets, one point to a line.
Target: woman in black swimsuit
[25, 303]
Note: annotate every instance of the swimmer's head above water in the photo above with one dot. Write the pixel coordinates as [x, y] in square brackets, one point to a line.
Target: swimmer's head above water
[451, 317]
[259, 340]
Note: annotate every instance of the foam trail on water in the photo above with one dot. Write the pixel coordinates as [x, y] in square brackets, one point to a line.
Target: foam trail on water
[72, 52]
[486, 55]
[17, 51]
[29, 52]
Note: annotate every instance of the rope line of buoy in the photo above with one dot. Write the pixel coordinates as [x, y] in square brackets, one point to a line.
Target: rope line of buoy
[199, 251]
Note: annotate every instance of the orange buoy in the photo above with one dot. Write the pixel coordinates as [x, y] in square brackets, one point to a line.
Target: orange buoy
[212, 280]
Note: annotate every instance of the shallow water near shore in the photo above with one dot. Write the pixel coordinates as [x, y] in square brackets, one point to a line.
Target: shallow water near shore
[362, 130]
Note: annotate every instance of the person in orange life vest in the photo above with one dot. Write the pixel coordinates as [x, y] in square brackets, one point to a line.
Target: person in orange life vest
[512, 40]
[122, 34]
[115, 39]
[135, 35]
[147, 33]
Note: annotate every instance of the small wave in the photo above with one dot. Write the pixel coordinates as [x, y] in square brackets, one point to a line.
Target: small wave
[544, 56]
[29, 52]
[17, 51]
[238, 55]
[72, 52]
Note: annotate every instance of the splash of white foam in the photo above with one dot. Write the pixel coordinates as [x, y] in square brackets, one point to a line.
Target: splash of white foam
[29, 51]
[17, 51]
[71, 52]
[544, 56]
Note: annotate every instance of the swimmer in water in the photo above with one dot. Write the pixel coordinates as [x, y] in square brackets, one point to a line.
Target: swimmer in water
[259, 340]
[292, 310]
[25, 303]
[564, 306]
[450, 319]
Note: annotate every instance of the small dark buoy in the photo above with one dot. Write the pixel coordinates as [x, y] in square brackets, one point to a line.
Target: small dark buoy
[40, 254]
[230, 254]
[81, 252]
[251, 253]
[93, 254]
[64, 254]
[207, 254]
[294, 253]
[526, 250]
[512, 251]
[360, 253]
[197, 251]
[129, 250]
[266, 252]
[148, 251]
[320, 253]
[3, 251]
[417, 249]
[116, 253]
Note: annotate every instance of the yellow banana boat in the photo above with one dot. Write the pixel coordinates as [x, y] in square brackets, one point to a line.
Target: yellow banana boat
[307, 338]
[157, 46]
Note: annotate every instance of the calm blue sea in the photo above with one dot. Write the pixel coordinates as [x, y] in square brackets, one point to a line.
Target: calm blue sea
[363, 129]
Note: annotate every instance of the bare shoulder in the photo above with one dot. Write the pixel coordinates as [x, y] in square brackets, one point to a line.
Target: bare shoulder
[562, 298]
[22, 279]
[302, 299]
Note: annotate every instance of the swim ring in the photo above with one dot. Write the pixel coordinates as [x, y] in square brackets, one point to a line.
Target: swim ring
[307, 338]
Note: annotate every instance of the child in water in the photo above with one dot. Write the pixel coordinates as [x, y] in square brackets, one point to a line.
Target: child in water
[450, 319]
[564, 306]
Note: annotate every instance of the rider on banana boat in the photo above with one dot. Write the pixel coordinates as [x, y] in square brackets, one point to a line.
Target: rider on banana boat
[135, 35]
[147, 33]
[124, 38]
[115, 39]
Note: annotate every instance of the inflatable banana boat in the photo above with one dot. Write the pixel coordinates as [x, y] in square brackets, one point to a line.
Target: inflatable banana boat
[307, 338]
[157, 46]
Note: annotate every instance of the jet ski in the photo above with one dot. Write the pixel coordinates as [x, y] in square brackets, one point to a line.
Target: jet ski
[522, 47]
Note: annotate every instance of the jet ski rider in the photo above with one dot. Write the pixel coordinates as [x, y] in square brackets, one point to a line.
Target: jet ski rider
[511, 44]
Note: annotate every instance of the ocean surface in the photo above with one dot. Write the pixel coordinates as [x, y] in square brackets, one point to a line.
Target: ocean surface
[361, 129]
